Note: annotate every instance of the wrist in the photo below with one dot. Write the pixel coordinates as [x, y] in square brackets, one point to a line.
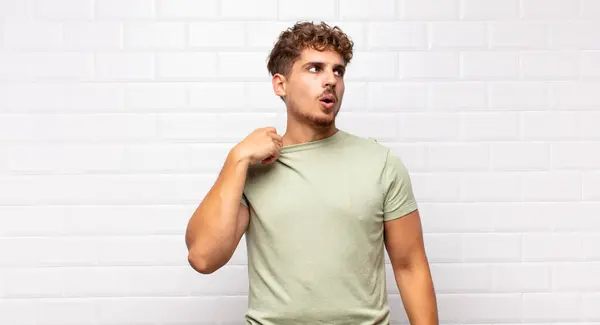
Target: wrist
[238, 157]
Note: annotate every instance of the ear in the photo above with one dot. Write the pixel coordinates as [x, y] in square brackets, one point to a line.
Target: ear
[279, 83]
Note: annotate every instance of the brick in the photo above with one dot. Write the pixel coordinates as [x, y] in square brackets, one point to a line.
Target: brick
[490, 247]
[77, 128]
[521, 277]
[355, 97]
[464, 156]
[217, 35]
[448, 217]
[489, 126]
[217, 96]
[295, 10]
[443, 187]
[434, 126]
[371, 66]
[542, 186]
[14, 67]
[580, 277]
[148, 97]
[549, 65]
[249, 9]
[242, 65]
[125, 310]
[591, 185]
[443, 248]
[64, 158]
[91, 35]
[458, 35]
[124, 66]
[388, 96]
[18, 311]
[489, 65]
[574, 35]
[549, 125]
[553, 9]
[381, 126]
[576, 216]
[166, 189]
[589, 306]
[489, 10]
[396, 35]
[520, 156]
[15, 9]
[260, 97]
[571, 95]
[490, 186]
[60, 97]
[187, 8]
[34, 35]
[357, 9]
[590, 9]
[71, 66]
[590, 64]
[552, 247]
[260, 35]
[518, 35]
[154, 35]
[63, 9]
[228, 280]
[523, 217]
[521, 95]
[124, 9]
[438, 65]
[576, 155]
[590, 246]
[491, 308]
[551, 307]
[429, 10]
[457, 95]
[589, 125]
[461, 278]
[186, 65]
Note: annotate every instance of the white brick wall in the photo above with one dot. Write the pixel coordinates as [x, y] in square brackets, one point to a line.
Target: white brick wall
[113, 126]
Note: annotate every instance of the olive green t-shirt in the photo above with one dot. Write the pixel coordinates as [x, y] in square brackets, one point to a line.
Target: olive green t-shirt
[315, 238]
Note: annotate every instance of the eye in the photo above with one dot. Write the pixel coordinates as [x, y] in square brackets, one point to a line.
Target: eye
[313, 67]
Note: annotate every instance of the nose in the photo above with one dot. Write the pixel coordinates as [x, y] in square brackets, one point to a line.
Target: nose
[330, 79]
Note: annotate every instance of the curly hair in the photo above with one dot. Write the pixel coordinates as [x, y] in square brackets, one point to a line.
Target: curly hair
[304, 35]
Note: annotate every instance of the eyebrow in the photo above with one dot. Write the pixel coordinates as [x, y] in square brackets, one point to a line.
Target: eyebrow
[318, 63]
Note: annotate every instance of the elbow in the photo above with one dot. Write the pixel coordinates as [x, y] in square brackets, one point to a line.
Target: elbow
[200, 265]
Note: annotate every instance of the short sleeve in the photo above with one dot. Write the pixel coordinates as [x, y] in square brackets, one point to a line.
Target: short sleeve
[399, 198]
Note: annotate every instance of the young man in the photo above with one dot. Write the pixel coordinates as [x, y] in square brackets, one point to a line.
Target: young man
[318, 204]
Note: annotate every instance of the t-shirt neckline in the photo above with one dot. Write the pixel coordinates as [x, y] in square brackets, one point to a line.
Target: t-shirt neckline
[338, 135]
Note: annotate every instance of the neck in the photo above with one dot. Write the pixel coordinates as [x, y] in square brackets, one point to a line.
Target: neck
[301, 133]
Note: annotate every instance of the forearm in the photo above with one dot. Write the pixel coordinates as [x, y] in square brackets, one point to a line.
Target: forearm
[418, 294]
[211, 232]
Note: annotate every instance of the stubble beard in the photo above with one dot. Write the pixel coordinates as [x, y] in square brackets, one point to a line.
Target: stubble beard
[321, 122]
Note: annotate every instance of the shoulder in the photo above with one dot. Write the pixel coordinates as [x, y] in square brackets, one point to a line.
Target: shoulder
[374, 149]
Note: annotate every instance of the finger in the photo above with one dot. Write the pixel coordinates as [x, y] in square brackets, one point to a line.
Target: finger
[277, 137]
[269, 160]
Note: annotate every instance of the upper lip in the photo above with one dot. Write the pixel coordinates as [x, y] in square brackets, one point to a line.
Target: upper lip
[328, 96]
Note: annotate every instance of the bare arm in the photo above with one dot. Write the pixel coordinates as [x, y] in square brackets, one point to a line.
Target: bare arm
[404, 243]
[216, 227]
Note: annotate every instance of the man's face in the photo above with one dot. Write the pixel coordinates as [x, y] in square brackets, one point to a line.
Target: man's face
[315, 87]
